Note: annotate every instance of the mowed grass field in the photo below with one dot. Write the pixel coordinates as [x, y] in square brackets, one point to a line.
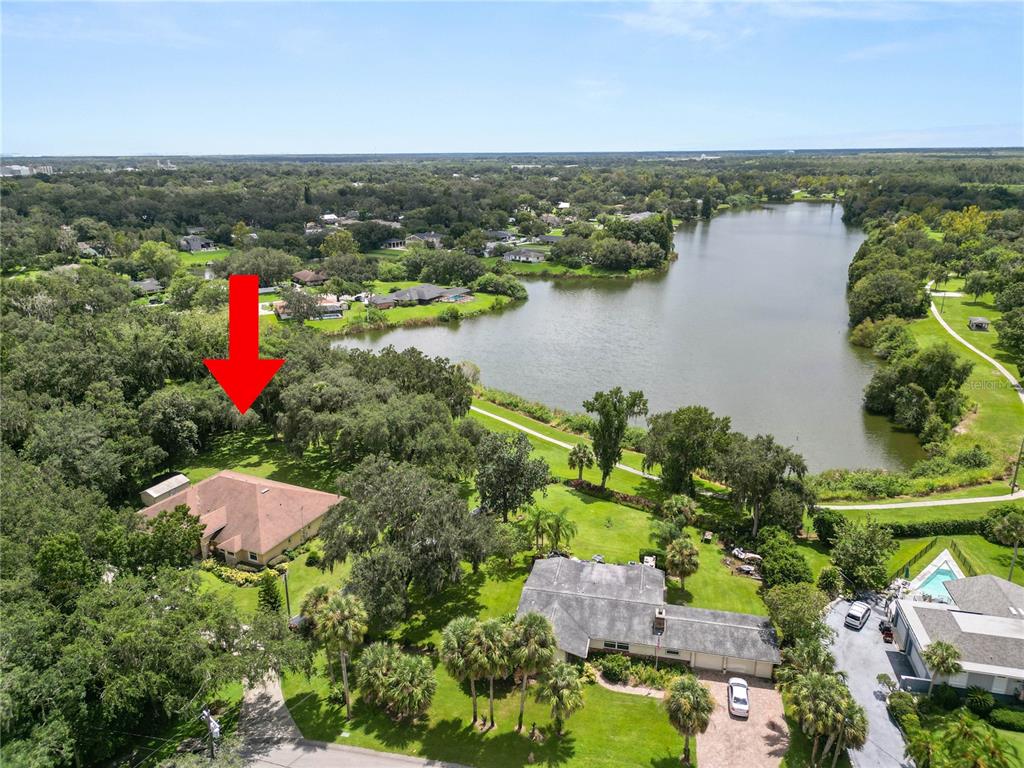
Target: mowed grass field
[998, 424]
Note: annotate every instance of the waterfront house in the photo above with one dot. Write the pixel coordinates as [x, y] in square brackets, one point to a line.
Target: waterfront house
[247, 519]
[978, 323]
[428, 293]
[984, 621]
[525, 255]
[603, 608]
[549, 239]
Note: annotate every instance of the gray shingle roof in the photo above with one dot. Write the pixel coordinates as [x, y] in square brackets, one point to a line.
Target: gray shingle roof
[590, 601]
[987, 594]
[980, 639]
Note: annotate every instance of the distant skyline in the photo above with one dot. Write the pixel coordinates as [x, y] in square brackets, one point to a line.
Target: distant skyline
[358, 78]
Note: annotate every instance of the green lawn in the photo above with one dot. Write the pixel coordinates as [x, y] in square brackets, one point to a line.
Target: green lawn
[981, 554]
[955, 311]
[629, 458]
[997, 424]
[550, 269]
[259, 453]
[202, 257]
[922, 514]
[611, 730]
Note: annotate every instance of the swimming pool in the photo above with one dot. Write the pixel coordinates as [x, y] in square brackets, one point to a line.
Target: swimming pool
[934, 586]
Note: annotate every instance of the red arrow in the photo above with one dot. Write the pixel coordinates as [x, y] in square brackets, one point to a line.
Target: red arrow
[243, 375]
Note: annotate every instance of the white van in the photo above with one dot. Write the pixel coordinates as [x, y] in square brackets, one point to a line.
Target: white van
[858, 615]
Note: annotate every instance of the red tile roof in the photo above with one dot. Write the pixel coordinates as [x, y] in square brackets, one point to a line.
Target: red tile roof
[245, 512]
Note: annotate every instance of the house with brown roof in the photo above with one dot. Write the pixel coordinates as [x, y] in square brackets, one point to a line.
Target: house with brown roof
[309, 277]
[249, 519]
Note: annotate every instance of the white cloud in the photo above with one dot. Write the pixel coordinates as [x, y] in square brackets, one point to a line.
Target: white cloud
[691, 20]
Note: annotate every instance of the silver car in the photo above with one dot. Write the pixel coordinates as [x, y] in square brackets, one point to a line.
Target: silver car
[739, 697]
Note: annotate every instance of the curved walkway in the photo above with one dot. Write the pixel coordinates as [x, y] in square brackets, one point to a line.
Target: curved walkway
[553, 441]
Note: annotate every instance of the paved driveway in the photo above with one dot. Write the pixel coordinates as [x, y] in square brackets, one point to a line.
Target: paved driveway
[862, 655]
[760, 741]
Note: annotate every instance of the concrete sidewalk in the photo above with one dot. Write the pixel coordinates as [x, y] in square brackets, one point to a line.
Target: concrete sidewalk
[270, 739]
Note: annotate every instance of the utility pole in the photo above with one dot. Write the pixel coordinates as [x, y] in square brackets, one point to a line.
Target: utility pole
[213, 727]
[287, 597]
[1016, 467]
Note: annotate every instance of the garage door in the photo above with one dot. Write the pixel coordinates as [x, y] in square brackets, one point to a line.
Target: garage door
[708, 661]
[742, 666]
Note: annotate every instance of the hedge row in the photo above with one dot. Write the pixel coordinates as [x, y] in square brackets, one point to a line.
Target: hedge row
[629, 499]
[923, 528]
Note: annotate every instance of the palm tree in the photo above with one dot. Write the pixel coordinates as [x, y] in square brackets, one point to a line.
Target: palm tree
[344, 619]
[563, 690]
[410, 687]
[798, 660]
[942, 658]
[971, 743]
[374, 667]
[456, 648]
[532, 652]
[560, 528]
[818, 698]
[311, 610]
[682, 558]
[850, 728]
[689, 706]
[537, 524]
[1008, 530]
[489, 654]
[580, 458]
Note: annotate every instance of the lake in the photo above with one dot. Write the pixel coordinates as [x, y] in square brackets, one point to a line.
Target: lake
[751, 321]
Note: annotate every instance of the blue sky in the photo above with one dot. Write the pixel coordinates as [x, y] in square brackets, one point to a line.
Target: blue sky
[233, 78]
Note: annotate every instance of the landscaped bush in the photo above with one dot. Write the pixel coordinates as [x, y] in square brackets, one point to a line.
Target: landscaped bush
[313, 558]
[936, 528]
[588, 673]
[1008, 718]
[979, 701]
[616, 668]
[630, 500]
[945, 696]
[782, 562]
[972, 458]
[240, 578]
[449, 314]
[830, 581]
[902, 704]
[826, 524]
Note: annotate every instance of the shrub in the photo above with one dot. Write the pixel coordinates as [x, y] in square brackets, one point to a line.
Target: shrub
[946, 697]
[588, 674]
[1007, 718]
[449, 314]
[830, 581]
[979, 701]
[826, 524]
[615, 668]
[313, 558]
[902, 704]
[972, 458]
[924, 528]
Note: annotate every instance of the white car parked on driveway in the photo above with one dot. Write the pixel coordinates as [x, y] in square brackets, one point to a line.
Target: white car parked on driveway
[739, 697]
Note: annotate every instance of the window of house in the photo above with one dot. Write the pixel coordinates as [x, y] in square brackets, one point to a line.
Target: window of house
[616, 646]
[671, 651]
[252, 555]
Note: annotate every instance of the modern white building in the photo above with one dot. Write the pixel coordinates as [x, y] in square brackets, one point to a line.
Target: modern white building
[984, 621]
[603, 608]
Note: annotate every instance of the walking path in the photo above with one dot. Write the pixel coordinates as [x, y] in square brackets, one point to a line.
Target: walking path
[559, 443]
[893, 505]
[270, 739]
